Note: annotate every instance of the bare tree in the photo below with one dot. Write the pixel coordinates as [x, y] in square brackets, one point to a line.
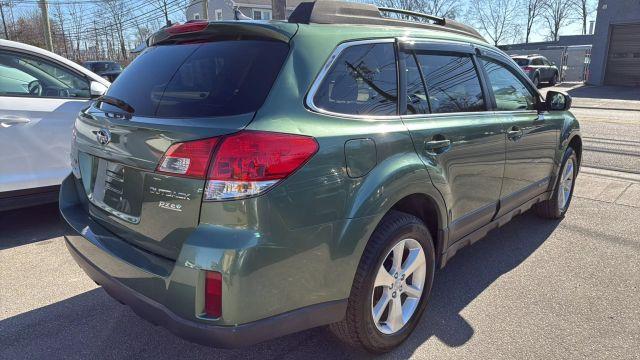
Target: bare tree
[498, 19]
[77, 16]
[534, 10]
[162, 5]
[60, 16]
[445, 8]
[118, 10]
[557, 14]
[584, 8]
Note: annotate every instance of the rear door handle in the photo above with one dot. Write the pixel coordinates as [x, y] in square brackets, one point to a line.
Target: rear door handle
[8, 121]
[436, 147]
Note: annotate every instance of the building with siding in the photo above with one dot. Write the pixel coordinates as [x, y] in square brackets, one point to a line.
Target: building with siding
[615, 58]
[223, 9]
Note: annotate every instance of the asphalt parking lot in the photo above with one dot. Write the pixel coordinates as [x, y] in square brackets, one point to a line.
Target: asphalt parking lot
[532, 289]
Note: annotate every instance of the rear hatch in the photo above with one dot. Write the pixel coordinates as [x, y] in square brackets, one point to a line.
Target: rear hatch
[176, 91]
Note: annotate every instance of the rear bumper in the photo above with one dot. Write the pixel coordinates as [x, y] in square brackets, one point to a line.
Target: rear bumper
[169, 294]
[220, 336]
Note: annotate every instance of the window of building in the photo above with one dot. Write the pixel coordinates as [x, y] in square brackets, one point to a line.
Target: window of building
[510, 92]
[452, 83]
[196, 16]
[261, 14]
[362, 81]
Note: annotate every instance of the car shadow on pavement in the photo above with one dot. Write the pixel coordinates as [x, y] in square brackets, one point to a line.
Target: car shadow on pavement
[92, 325]
[17, 226]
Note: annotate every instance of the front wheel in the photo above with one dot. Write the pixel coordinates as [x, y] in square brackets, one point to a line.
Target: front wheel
[391, 286]
[556, 207]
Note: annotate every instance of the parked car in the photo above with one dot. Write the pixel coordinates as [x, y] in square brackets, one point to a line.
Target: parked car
[538, 68]
[41, 95]
[109, 70]
[246, 180]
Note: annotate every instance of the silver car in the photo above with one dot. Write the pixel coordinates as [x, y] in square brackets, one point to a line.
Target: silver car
[41, 94]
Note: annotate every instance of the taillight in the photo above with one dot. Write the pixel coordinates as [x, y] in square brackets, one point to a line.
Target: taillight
[213, 294]
[528, 69]
[190, 159]
[191, 26]
[245, 164]
[250, 162]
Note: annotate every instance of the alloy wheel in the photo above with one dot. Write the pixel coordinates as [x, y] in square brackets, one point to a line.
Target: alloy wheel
[398, 286]
[566, 185]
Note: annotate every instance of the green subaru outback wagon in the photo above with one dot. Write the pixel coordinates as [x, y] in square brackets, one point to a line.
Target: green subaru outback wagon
[245, 180]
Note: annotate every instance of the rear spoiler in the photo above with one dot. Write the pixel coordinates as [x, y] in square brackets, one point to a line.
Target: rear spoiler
[202, 31]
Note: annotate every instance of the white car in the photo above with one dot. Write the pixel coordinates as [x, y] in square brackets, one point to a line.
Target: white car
[41, 95]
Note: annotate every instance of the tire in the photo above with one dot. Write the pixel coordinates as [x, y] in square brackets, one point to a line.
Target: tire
[556, 207]
[536, 81]
[554, 79]
[359, 329]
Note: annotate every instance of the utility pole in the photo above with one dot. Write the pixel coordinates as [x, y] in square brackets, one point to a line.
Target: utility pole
[46, 24]
[205, 9]
[278, 9]
[4, 24]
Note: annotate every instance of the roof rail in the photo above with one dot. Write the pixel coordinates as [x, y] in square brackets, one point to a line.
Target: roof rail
[341, 12]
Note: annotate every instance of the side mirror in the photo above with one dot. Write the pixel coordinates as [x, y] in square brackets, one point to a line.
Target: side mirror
[97, 89]
[558, 101]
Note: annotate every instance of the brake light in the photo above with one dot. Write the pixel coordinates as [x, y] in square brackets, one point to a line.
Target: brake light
[213, 294]
[190, 159]
[245, 164]
[250, 162]
[528, 69]
[191, 26]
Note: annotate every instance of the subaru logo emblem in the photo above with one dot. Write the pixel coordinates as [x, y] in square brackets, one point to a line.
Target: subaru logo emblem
[103, 136]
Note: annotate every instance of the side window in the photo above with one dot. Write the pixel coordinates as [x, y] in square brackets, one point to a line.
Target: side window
[417, 102]
[23, 75]
[362, 81]
[536, 62]
[546, 62]
[510, 93]
[452, 83]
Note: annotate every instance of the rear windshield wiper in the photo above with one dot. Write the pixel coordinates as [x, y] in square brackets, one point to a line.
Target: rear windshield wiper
[121, 104]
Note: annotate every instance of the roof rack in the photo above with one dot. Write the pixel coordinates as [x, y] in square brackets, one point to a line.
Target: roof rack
[341, 12]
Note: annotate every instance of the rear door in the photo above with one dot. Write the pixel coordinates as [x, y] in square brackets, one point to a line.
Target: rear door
[532, 137]
[453, 130]
[170, 94]
[39, 101]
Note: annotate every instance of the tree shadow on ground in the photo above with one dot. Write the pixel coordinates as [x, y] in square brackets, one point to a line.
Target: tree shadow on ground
[92, 325]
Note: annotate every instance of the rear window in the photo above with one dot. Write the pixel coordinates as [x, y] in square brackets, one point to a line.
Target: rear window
[521, 62]
[200, 80]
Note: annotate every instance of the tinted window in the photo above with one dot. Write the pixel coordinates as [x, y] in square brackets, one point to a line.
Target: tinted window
[23, 75]
[200, 80]
[509, 91]
[100, 66]
[452, 83]
[362, 81]
[536, 62]
[521, 61]
[416, 93]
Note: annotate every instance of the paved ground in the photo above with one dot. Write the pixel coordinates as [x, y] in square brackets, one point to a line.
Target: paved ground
[532, 289]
